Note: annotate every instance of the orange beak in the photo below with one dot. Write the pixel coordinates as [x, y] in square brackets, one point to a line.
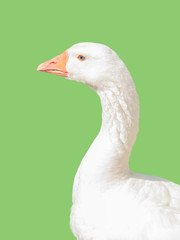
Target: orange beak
[56, 65]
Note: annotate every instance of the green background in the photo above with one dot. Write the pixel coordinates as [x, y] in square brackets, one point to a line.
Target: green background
[48, 123]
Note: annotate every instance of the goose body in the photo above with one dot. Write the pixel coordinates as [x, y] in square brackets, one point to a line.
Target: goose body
[110, 202]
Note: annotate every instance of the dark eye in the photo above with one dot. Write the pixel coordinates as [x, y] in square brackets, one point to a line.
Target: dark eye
[81, 57]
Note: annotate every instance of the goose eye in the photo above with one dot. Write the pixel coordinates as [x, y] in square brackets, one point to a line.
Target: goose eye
[81, 57]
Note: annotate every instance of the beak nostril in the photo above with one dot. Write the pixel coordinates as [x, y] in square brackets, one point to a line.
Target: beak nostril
[53, 62]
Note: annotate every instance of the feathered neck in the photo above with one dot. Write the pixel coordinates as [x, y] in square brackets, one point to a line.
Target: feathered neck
[120, 113]
[108, 156]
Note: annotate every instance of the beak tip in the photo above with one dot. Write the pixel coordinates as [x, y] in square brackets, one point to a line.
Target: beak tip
[39, 68]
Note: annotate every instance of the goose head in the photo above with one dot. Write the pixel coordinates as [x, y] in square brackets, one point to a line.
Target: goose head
[91, 63]
[99, 67]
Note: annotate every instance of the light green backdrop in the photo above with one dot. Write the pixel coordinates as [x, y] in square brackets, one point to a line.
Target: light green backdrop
[48, 123]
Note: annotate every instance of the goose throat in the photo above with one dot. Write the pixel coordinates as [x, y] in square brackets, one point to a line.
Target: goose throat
[120, 116]
[108, 156]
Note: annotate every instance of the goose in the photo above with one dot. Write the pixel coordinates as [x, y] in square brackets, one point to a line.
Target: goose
[110, 202]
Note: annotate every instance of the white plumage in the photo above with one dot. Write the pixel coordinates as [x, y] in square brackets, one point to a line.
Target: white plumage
[110, 202]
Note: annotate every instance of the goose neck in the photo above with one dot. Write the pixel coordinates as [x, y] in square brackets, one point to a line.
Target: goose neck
[120, 116]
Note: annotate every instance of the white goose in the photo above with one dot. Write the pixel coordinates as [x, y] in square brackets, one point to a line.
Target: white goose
[110, 202]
